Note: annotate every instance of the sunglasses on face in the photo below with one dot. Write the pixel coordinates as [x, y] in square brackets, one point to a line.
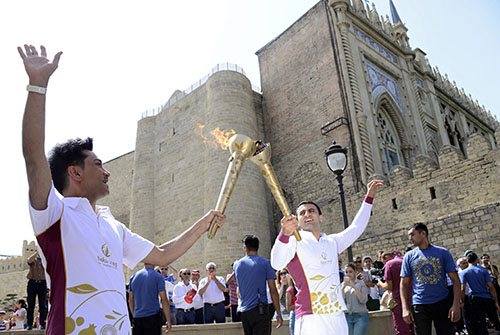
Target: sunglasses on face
[164, 269]
[357, 262]
[283, 273]
[211, 268]
[187, 273]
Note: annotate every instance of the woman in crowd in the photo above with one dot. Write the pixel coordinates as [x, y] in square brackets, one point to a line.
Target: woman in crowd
[20, 315]
[355, 294]
[282, 285]
[291, 292]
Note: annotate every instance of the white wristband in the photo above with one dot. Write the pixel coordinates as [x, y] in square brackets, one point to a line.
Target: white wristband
[36, 89]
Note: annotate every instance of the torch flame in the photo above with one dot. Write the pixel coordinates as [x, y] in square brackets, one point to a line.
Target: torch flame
[221, 137]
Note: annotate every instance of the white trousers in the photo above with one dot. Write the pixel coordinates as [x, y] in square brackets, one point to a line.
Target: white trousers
[322, 324]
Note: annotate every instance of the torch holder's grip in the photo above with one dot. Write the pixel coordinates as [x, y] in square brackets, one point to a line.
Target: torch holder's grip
[233, 171]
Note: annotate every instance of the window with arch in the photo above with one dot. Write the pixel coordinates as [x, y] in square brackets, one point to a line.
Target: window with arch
[391, 155]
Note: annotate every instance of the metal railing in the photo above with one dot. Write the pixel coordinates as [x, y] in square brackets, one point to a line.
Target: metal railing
[180, 95]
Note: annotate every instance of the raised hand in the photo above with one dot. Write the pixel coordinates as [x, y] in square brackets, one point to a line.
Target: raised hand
[289, 224]
[372, 187]
[38, 67]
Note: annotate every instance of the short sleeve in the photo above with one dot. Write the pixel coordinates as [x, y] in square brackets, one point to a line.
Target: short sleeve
[388, 272]
[160, 283]
[135, 248]
[450, 265]
[43, 219]
[406, 270]
[271, 274]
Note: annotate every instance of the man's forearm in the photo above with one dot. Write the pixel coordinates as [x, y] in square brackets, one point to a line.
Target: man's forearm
[403, 292]
[204, 288]
[220, 285]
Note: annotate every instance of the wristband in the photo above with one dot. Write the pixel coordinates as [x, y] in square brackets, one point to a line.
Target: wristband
[279, 316]
[36, 89]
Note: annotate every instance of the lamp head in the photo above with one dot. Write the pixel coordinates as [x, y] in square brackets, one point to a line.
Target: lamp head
[336, 158]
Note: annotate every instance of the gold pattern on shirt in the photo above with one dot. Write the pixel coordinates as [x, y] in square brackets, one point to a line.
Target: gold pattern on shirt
[324, 302]
[427, 270]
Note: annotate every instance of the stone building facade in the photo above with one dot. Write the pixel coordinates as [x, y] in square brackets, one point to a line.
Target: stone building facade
[340, 72]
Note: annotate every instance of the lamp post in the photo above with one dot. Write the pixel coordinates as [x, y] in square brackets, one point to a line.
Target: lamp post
[336, 159]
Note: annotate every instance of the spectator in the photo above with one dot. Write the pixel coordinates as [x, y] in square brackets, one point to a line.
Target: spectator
[197, 304]
[20, 315]
[355, 293]
[212, 289]
[291, 293]
[37, 286]
[384, 302]
[373, 303]
[170, 280]
[254, 274]
[392, 264]
[282, 286]
[341, 272]
[493, 271]
[461, 324]
[483, 297]
[185, 294]
[428, 265]
[4, 325]
[379, 264]
[144, 288]
[232, 284]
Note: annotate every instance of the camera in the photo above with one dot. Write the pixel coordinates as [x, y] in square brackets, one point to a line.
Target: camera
[377, 272]
[376, 280]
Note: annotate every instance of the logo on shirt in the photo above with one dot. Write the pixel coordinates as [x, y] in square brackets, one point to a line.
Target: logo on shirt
[105, 250]
[428, 270]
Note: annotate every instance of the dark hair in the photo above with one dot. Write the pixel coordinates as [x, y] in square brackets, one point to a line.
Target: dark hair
[420, 226]
[472, 257]
[310, 203]
[351, 265]
[22, 303]
[251, 242]
[64, 155]
[485, 255]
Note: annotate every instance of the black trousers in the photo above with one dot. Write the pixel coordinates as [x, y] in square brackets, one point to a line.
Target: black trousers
[149, 325]
[255, 323]
[37, 288]
[271, 315]
[437, 313]
[476, 310]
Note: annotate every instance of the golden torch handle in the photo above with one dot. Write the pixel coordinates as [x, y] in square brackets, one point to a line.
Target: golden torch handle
[267, 171]
[233, 171]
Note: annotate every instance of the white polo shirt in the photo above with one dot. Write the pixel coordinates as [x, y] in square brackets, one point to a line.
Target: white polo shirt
[83, 254]
[212, 294]
[180, 291]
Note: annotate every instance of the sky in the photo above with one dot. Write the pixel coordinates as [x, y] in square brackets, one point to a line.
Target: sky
[121, 58]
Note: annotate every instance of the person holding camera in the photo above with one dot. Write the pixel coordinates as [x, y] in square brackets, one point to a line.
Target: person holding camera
[392, 265]
[253, 273]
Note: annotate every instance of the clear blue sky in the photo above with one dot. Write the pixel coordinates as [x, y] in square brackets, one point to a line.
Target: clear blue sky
[124, 57]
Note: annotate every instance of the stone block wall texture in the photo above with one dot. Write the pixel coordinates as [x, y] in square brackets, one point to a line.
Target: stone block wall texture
[463, 215]
[120, 186]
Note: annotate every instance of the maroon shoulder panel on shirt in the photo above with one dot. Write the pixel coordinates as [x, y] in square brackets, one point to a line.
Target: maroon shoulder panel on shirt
[50, 242]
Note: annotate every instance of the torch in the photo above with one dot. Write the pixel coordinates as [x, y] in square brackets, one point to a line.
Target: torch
[241, 148]
[262, 158]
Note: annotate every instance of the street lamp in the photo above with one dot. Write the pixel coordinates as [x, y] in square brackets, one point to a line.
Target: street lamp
[336, 159]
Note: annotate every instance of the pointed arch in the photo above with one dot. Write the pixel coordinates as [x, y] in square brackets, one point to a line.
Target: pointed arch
[394, 143]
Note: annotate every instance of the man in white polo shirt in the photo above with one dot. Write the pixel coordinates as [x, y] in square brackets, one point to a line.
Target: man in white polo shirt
[212, 290]
[82, 247]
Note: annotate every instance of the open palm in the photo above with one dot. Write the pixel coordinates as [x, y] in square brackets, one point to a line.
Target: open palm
[38, 67]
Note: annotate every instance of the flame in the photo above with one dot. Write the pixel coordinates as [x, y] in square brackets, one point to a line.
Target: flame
[221, 137]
